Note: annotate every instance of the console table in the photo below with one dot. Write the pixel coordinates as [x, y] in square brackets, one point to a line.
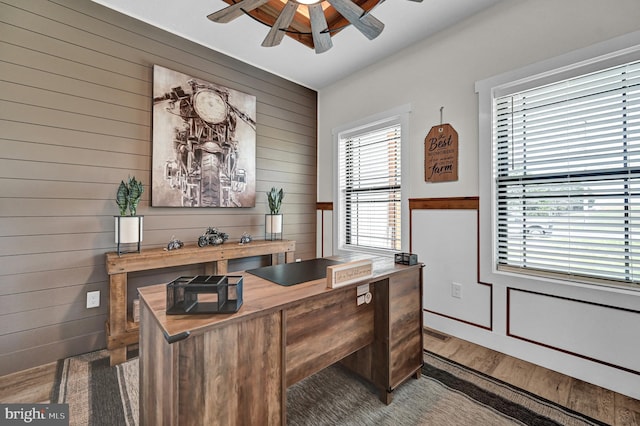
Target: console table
[235, 368]
[120, 330]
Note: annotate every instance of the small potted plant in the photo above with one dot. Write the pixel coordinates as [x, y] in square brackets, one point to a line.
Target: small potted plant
[128, 226]
[273, 221]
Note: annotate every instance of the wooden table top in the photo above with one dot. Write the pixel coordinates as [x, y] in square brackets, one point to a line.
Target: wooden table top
[259, 297]
[191, 254]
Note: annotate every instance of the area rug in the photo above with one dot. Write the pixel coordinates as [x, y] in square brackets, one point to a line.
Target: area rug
[446, 394]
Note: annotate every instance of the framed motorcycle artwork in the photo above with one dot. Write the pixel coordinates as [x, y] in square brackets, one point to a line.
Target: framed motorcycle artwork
[204, 143]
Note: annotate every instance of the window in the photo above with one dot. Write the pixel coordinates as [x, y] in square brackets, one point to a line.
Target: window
[369, 186]
[566, 176]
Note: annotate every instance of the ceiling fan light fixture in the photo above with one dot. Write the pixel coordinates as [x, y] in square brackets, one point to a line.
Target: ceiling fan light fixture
[320, 31]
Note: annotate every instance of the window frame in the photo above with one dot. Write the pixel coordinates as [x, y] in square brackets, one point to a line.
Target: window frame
[603, 55]
[398, 115]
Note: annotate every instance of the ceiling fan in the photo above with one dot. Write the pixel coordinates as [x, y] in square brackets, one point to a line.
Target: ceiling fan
[311, 28]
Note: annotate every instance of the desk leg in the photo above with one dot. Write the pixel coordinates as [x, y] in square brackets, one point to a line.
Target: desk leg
[289, 257]
[117, 316]
[117, 356]
[386, 396]
[218, 267]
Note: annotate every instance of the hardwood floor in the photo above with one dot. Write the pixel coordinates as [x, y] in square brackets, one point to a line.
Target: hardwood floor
[28, 386]
[34, 385]
[601, 404]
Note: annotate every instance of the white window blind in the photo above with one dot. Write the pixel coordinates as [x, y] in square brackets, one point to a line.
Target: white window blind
[567, 177]
[370, 188]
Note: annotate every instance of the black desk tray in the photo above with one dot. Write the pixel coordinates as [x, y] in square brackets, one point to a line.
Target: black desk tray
[204, 294]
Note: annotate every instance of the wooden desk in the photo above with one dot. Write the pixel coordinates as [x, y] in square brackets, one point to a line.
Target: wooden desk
[235, 368]
[120, 330]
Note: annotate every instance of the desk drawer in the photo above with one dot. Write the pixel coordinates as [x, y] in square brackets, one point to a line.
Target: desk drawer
[322, 331]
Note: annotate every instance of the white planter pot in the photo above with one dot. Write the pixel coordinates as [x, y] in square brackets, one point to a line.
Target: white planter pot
[273, 226]
[128, 230]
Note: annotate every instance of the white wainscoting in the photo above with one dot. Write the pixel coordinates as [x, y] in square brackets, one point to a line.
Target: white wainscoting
[586, 329]
[446, 241]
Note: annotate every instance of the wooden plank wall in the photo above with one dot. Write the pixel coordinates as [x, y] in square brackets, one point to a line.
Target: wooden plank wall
[75, 119]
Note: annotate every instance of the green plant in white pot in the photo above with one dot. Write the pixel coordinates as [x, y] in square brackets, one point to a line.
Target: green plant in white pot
[273, 221]
[128, 227]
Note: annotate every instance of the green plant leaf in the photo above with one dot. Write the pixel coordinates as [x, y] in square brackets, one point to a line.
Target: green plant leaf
[274, 198]
[135, 193]
[128, 196]
[122, 198]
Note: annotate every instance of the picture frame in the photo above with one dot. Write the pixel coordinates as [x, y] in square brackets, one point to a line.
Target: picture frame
[204, 143]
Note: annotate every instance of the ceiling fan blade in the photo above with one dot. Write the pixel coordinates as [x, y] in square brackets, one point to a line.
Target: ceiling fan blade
[321, 40]
[418, 1]
[230, 13]
[367, 24]
[276, 33]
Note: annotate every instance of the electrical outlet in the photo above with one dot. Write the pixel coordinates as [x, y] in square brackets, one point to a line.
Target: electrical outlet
[93, 299]
[456, 290]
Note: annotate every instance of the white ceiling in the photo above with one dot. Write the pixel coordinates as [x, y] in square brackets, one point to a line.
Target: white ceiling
[406, 22]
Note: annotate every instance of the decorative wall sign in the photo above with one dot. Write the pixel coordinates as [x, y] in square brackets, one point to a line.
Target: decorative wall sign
[347, 273]
[441, 154]
[204, 143]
